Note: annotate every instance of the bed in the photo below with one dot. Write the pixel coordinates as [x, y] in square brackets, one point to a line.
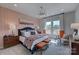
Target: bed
[31, 40]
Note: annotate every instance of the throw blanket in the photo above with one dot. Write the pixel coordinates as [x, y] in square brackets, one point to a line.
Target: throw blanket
[31, 41]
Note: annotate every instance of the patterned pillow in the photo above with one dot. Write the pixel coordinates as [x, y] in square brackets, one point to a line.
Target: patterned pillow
[32, 32]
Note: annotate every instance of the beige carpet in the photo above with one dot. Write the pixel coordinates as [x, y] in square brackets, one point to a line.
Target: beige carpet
[54, 49]
[15, 50]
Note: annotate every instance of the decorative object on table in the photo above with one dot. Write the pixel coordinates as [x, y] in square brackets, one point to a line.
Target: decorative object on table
[12, 29]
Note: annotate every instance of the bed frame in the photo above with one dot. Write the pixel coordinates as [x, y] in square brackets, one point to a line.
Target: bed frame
[27, 29]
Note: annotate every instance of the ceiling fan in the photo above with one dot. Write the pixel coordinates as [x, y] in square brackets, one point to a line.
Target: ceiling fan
[42, 11]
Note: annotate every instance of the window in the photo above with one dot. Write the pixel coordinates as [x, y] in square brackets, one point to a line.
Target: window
[48, 27]
[48, 23]
[52, 26]
[56, 24]
[56, 27]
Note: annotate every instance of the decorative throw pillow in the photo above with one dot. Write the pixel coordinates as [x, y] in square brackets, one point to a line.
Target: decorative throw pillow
[32, 32]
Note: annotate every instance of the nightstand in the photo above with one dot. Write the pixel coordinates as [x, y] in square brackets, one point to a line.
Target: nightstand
[9, 41]
[75, 48]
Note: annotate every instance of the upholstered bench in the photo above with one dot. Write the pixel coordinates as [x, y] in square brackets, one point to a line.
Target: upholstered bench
[47, 40]
[42, 46]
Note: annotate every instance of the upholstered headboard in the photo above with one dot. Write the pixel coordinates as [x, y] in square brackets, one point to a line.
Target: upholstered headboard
[26, 28]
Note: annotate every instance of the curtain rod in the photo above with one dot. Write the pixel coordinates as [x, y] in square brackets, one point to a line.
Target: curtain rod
[52, 15]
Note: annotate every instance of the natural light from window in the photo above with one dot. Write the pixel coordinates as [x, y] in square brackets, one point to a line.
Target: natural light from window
[48, 27]
[56, 23]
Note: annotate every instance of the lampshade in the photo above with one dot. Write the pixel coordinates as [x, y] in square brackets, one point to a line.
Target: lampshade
[75, 25]
[12, 28]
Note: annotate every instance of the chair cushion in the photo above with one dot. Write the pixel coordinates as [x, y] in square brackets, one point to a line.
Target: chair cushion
[61, 33]
[41, 45]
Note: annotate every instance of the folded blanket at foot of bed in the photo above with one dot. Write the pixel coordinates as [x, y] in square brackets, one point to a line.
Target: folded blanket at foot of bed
[42, 44]
[46, 40]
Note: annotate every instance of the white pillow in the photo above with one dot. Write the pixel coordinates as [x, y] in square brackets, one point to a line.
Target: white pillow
[25, 33]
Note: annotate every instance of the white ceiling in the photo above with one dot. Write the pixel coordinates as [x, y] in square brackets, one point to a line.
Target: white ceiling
[32, 9]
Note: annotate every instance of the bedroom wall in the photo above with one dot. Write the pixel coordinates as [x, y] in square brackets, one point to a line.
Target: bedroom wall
[9, 17]
[77, 14]
[68, 20]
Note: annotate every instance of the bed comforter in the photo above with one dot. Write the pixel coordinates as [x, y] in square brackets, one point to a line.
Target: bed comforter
[31, 41]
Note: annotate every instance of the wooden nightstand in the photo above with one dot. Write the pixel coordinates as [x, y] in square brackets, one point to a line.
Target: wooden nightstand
[75, 48]
[10, 41]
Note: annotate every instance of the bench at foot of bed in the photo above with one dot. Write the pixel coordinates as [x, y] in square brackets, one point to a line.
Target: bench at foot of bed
[42, 46]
